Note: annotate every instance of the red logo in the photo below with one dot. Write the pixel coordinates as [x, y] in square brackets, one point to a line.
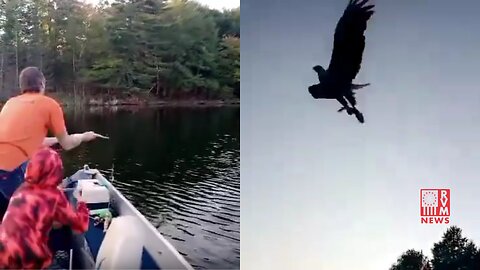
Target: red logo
[435, 206]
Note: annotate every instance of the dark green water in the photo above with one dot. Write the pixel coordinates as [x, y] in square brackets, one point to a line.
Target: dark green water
[180, 167]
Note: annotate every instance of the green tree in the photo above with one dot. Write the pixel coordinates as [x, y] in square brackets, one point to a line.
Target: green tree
[172, 49]
[455, 252]
[228, 22]
[411, 260]
[452, 252]
[229, 65]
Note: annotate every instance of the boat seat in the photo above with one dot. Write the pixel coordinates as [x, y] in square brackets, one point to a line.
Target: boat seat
[122, 246]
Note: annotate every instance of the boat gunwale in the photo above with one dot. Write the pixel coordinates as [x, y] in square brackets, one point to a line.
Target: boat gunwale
[125, 203]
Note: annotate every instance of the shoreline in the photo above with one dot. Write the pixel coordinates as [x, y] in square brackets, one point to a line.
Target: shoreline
[140, 102]
[159, 103]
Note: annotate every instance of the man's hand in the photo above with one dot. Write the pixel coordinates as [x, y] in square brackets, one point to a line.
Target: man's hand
[89, 136]
[69, 142]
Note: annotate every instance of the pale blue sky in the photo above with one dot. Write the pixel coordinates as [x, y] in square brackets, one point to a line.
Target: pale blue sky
[318, 189]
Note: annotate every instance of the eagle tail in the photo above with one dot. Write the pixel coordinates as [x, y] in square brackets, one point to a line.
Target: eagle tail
[359, 86]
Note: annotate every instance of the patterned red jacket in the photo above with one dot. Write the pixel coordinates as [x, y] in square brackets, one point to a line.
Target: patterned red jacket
[33, 208]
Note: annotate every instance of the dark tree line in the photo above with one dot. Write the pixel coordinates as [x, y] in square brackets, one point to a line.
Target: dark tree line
[173, 49]
[453, 252]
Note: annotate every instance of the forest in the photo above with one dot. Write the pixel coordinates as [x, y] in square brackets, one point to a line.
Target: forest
[453, 251]
[170, 50]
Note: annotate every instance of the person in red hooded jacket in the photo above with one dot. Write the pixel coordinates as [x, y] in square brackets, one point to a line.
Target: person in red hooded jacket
[32, 211]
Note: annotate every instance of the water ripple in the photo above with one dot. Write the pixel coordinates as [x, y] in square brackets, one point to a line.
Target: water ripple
[180, 168]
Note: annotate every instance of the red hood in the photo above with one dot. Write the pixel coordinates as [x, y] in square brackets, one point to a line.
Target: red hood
[45, 168]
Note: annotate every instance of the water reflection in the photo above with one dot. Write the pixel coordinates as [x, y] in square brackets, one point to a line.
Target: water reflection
[180, 167]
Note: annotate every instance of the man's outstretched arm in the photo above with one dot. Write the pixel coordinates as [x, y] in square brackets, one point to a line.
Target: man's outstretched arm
[50, 141]
[58, 128]
[70, 141]
[67, 141]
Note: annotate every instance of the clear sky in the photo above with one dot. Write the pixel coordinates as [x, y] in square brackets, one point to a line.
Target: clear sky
[318, 189]
[216, 4]
[220, 4]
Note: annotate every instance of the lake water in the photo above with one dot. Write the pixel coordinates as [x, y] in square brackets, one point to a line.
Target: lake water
[179, 166]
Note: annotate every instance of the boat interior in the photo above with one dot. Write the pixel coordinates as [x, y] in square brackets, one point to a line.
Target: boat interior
[107, 238]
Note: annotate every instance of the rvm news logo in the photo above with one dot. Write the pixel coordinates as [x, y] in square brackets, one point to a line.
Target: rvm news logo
[435, 206]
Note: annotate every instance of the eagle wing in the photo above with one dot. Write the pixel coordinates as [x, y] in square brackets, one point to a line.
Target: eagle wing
[349, 40]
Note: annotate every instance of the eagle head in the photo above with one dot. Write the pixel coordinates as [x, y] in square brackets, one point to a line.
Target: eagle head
[320, 71]
[315, 90]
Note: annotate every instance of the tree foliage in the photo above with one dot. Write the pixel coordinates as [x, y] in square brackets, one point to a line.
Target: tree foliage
[411, 260]
[453, 251]
[173, 49]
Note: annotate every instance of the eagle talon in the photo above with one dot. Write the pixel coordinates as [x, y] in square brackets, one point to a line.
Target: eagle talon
[350, 111]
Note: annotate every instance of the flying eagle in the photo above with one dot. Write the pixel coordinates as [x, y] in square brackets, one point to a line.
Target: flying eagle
[348, 45]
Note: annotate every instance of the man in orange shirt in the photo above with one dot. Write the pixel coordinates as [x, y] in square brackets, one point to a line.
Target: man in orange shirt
[25, 121]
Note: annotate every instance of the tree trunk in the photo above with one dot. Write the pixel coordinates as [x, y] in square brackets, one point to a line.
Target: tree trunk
[74, 80]
[41, 59]
[158, 85]
[16, 58]
[2, 75]
[165, 92]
